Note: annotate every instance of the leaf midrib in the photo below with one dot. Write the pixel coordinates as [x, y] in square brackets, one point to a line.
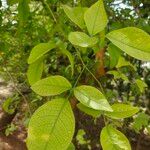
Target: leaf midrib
[52, 129]
[111, 37]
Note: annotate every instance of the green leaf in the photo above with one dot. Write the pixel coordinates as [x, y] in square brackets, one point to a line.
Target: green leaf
[70, 57]
[95, 18]
[112, 139]
[82, 39]
[121, 111]
[71, 147]
[133, 41]
[118, 75]
[76, 15]
[51, 126]
[141, 121]
[92, 98]
[114, 53]
[89, 111]
[39, 50]
[35, 70]
[7, 106]
[51, 86]
[122, 62]
[141, 85]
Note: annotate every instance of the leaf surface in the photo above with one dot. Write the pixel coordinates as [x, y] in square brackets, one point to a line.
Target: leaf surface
[35, 70]
[133, 41]
[121, 111]
[112, 139]
[92, 98]
[76, 15]
[51, 126]
[95, 18]
[39, 50]
[82, 39]
[51, 86]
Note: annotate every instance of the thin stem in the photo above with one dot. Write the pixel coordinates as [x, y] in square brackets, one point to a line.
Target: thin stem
[76, 82]
[16, 88]
[100, 85]
[50, 11]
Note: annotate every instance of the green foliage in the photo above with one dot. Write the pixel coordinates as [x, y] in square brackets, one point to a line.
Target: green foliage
[141, 121]
[35, 71]
[95, 18]
[113, 139]
[39, 50]
[82, 39]
[133, 41]
[121, 111]
[52, 85]
[92, 98]
[93, 51]
[51, 126]
[76, 15]
[89, 111]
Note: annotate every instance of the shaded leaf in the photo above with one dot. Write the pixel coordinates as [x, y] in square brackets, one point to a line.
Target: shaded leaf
[35, 70]
[76, 15]
[92, 112]
[114, 53]
[140, 121]
[141, 85]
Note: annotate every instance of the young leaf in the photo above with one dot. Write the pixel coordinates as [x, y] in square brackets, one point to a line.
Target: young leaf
[133, 41]
[51, 86]
[82, 39]
[141, 85]
[112, 139]
[35, 70]
[121, 111]
[51, 126]
[141, 121]
[76, 15]
[95, 18]
[118, 75]
[92, 98]
[39, 50]
[122, 62]
[92, 112]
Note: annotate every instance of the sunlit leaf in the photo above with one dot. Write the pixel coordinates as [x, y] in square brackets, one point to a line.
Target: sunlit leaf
[121, 111]
[133, 41]
[92, 98]
[51, 126]
[52, 85]
[112, 139]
